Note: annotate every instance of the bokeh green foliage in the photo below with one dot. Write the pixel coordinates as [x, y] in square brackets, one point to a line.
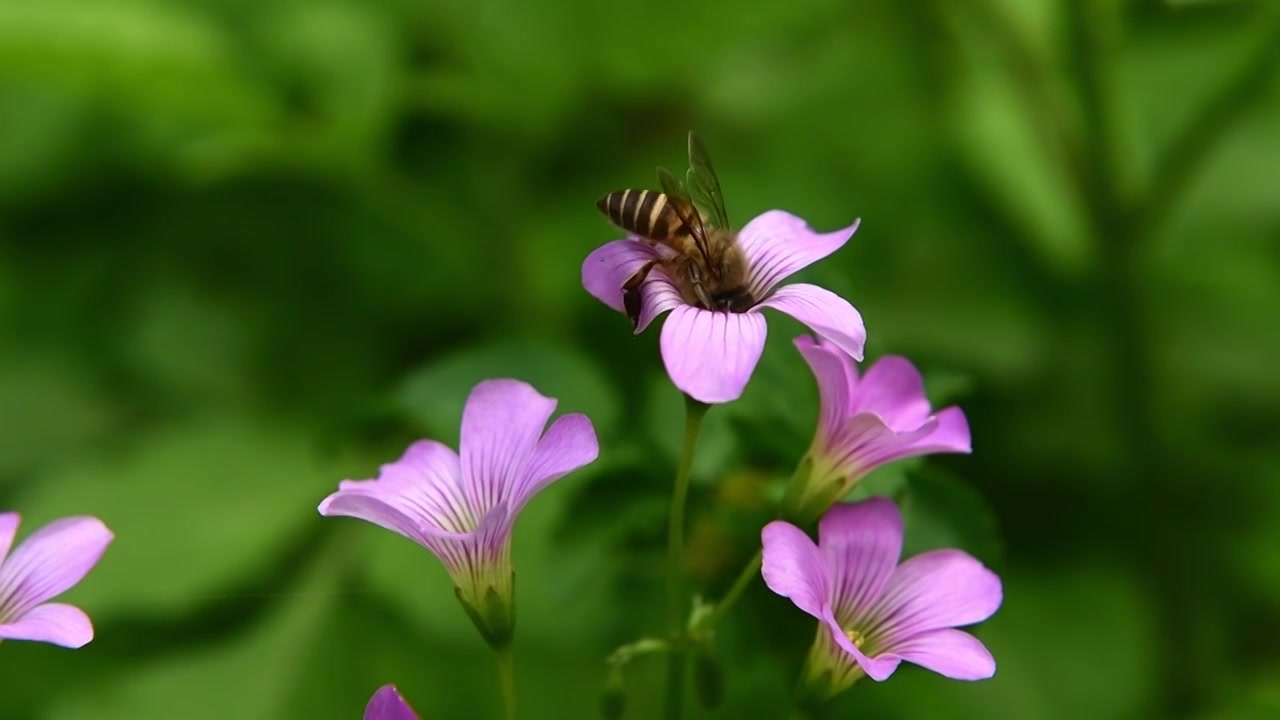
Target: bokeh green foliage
[248, 249]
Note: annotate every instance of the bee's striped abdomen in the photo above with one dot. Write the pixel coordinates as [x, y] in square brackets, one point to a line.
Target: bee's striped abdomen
[643, 212]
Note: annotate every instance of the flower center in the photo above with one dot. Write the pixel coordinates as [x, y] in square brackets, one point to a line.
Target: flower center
[855, 637]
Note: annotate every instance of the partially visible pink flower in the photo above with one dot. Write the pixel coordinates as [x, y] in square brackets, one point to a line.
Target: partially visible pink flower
[388, 704]
[462, 506]
[865, 422]
[872, 612]
[710, 355]
[48, 563]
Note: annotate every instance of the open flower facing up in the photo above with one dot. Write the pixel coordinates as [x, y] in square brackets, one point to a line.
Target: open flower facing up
[865, 422]
[48, 563]
[710, 354]
[872, 612]
[462, 506]
[388, 704]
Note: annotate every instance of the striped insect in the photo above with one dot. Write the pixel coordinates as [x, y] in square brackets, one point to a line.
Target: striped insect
[689, 227]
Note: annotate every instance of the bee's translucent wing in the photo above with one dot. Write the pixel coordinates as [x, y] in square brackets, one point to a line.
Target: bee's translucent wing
[678, 197]
[703, 184]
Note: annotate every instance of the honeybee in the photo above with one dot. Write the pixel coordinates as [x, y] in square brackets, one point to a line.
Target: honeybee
[688, 224]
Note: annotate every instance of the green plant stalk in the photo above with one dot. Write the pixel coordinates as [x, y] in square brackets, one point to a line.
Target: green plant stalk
[507, 676]
[749, 572]
[677, 662]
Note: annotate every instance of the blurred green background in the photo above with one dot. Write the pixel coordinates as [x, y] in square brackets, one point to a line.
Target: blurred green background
[249, 249]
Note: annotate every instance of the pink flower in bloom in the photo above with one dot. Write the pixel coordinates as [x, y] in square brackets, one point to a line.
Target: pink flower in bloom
[710, 355]
[872, 612]
[48, 563]
[461, 506]
[864, 422]
[387, 704]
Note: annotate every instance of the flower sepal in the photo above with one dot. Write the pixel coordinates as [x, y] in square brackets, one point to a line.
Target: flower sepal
[828, 671]
[492, 610]
[811, 492]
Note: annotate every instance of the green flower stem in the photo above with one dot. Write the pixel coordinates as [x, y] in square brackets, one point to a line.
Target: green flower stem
[749, 572]
[677, 664]
[507, 675]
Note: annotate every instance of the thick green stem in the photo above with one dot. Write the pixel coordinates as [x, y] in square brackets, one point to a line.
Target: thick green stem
[507, 676]
[677, 664]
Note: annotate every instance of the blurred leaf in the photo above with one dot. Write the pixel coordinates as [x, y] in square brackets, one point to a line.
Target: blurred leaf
[941, 511]
[434, 395]
[50, 410]
[190, 504]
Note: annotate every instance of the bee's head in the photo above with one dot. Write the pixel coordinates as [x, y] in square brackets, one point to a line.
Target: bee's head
[735, 300]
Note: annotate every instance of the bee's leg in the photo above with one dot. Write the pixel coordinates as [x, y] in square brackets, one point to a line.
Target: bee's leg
[631, 300]
[695, 275]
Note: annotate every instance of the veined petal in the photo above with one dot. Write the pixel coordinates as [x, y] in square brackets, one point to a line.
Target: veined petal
[931, 591]
[8, 529]
[793, 567]
[860, 543]
[828, 314]
[778, 244]
[424, 487]
[877, 668]
[568, 444]
[53, 623]
[836, 375]
[893, 389]
[501, 425]
[49, 562]
[951, 653]
[950, 435]
[388, 704]
[710, 355]
[864, 441]
[609, 266]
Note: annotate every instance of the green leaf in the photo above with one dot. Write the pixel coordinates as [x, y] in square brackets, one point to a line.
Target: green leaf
[942, 511]
[433, 396]
[190, 505]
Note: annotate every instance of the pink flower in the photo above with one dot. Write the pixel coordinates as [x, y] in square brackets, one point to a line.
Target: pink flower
[872, 612]
[48, 563]
[462, 506]
[387, 704]
[865, 422]
[710, 355]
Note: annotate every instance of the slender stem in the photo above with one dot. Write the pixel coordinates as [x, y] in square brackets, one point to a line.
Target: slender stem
[749, 572]
[677, 663]
[507, 675]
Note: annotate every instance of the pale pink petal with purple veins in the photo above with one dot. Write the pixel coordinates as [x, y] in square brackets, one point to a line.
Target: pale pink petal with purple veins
[861, 544]
[609, 266]
[570, 443]
[8, 529]
[778, 244]
[388, 704]
[793, 567]
[424, 485]
[931, 591]
[836, 375]
[864, 441]
[710, 355]
[501, 424]
[53, 623]
[950, 435]
[828, 314]
[50, 561]
[893, 389]
[952, 653]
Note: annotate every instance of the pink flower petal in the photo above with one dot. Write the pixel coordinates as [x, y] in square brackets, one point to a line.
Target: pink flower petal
[951, 653]
[893, 389]
[794, 568]
[950, 435]
[931, 591]
[501, 425]
[388, 704]
[830, 315]
[609, 266]
[836, 376]
[877, 668]
[8, 529]
[860, 543]
[570, 443]
[710, 355]
[424, 487]
[864, 442]
[51, 561]
[778, 244]
[53, 623]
